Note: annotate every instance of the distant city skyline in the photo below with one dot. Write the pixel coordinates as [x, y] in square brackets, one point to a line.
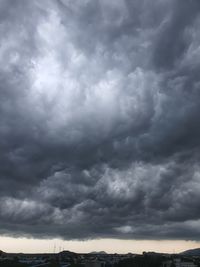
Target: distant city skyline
[100, 124]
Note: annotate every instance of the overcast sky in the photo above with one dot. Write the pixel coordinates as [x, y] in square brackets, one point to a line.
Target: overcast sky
[100, 119]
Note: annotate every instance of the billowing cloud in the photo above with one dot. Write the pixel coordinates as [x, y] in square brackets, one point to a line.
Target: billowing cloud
[99, 119]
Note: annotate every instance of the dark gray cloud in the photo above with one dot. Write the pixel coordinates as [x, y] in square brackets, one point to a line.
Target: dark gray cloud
[99, 119]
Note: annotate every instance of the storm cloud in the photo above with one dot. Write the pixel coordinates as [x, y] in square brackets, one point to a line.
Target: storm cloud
[99, 119]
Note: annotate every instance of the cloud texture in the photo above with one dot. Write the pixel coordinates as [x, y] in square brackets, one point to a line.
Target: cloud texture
[99, 118]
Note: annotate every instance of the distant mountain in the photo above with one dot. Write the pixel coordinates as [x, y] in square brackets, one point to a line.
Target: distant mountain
[191, 252]
[1, 252]
[67, 252]
[98, 252]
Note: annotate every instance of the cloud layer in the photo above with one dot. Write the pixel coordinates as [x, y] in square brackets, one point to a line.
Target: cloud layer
[99, 119]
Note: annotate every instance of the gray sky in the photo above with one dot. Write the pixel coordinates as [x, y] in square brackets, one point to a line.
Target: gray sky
[99, 119]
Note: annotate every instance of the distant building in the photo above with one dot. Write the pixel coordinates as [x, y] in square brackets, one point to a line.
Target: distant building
[184, 263]
[167, 263]
[94, 263]
[178, 263]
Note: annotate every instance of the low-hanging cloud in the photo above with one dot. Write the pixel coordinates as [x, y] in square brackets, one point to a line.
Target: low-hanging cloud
[99, 119]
